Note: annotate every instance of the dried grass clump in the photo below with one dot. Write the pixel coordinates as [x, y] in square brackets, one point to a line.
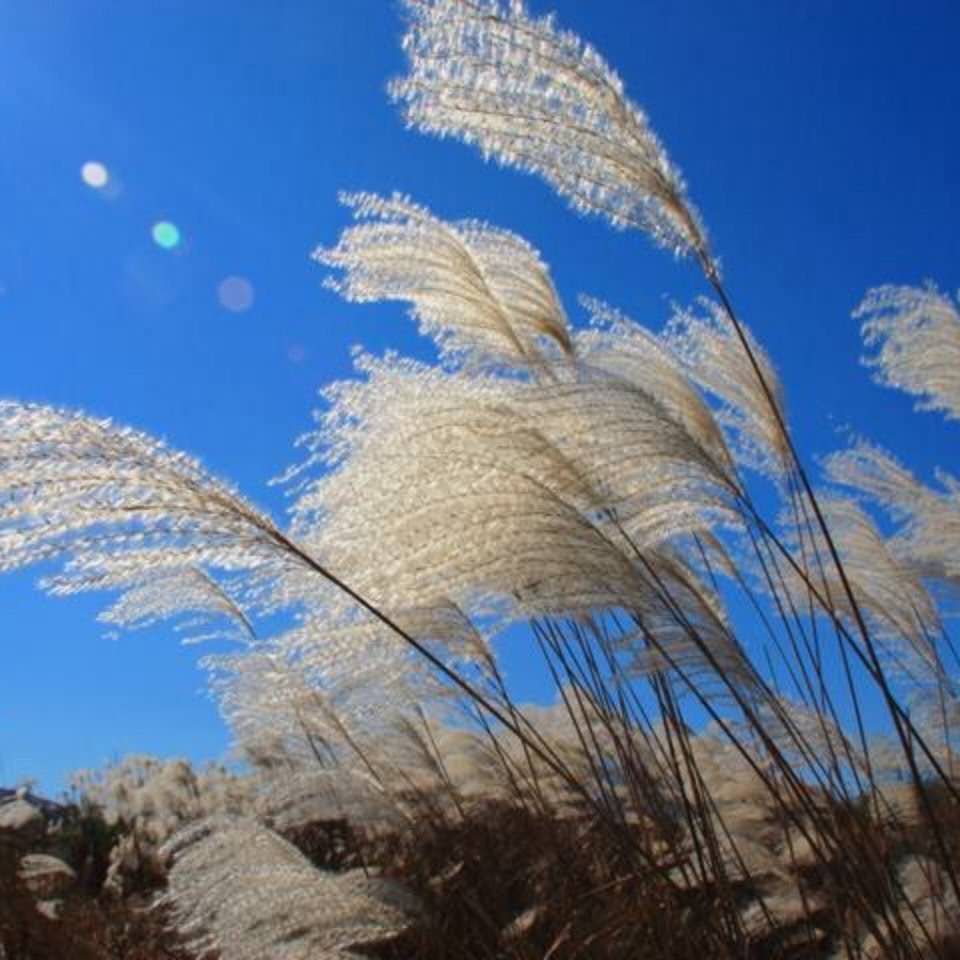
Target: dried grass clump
[147, 801]
[240, 890]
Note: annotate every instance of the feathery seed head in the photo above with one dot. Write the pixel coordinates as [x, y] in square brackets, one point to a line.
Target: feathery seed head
[491, 490]
[238, 888]
[483, 294]
[916, 331]
[536, 97]
[928, 542]
[617, 344]
[713, 357]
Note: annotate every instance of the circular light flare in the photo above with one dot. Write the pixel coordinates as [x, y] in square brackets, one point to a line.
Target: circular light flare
[95, 174]
[165, 234]
[235, 294]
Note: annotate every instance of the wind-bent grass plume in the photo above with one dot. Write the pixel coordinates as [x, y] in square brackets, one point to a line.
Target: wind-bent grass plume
[118, 506]
[490, 490]
[713, 357]
[928, 541]
[903, 615]
[822, 739]
[121, 508]
[617, 344]
[916, 331]
[688, 635]
[163, 596]
[536, 97]
[335, 690]
[482, 293]
[241, 890]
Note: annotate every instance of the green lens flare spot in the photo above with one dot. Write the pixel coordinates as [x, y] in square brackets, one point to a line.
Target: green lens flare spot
[166, 235]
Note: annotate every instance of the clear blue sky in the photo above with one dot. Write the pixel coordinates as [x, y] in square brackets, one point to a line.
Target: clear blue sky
[819, 139]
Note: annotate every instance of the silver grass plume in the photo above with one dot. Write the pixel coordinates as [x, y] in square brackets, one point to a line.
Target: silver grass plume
[121, 509]
[125, 512]
[713, 357]
[164, 595]
[473, 489]
[242, 891]
[617, 344]
[887, 589]
[482, 293]
[916, 331]
[699, 646]
[806, 736]
[330, 695]
[536, 97]
[928, 540]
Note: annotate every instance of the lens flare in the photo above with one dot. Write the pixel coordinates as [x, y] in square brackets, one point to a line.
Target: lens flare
[165, 235]
[235, 294]
[95, 174]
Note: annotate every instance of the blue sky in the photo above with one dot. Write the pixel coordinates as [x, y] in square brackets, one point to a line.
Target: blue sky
[819, 140]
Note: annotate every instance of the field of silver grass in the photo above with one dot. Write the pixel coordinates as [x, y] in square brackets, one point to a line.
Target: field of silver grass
[717, 778]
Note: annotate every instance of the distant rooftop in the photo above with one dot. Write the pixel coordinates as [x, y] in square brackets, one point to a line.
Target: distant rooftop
[41, 803]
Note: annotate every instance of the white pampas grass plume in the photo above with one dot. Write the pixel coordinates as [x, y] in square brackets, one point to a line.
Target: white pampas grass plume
[886, 587]
[916, 331]
[538, 98]
[713, 357]
[928, 541]
[118, 505]
[483, 293]
[617, 344]
[480, 490]
[123, 511]
[240, 889]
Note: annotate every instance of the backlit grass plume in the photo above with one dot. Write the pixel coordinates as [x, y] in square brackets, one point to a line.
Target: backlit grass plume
[928, 537]
[116, 505]
[498, 491]
[479, 291]
[241, 890]
[916, 333]
[712, 357]
[533, 96]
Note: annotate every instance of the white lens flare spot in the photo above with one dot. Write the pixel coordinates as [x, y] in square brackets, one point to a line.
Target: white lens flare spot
[165, 235]
[95, 174]
[296, 354]
[235, 294]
